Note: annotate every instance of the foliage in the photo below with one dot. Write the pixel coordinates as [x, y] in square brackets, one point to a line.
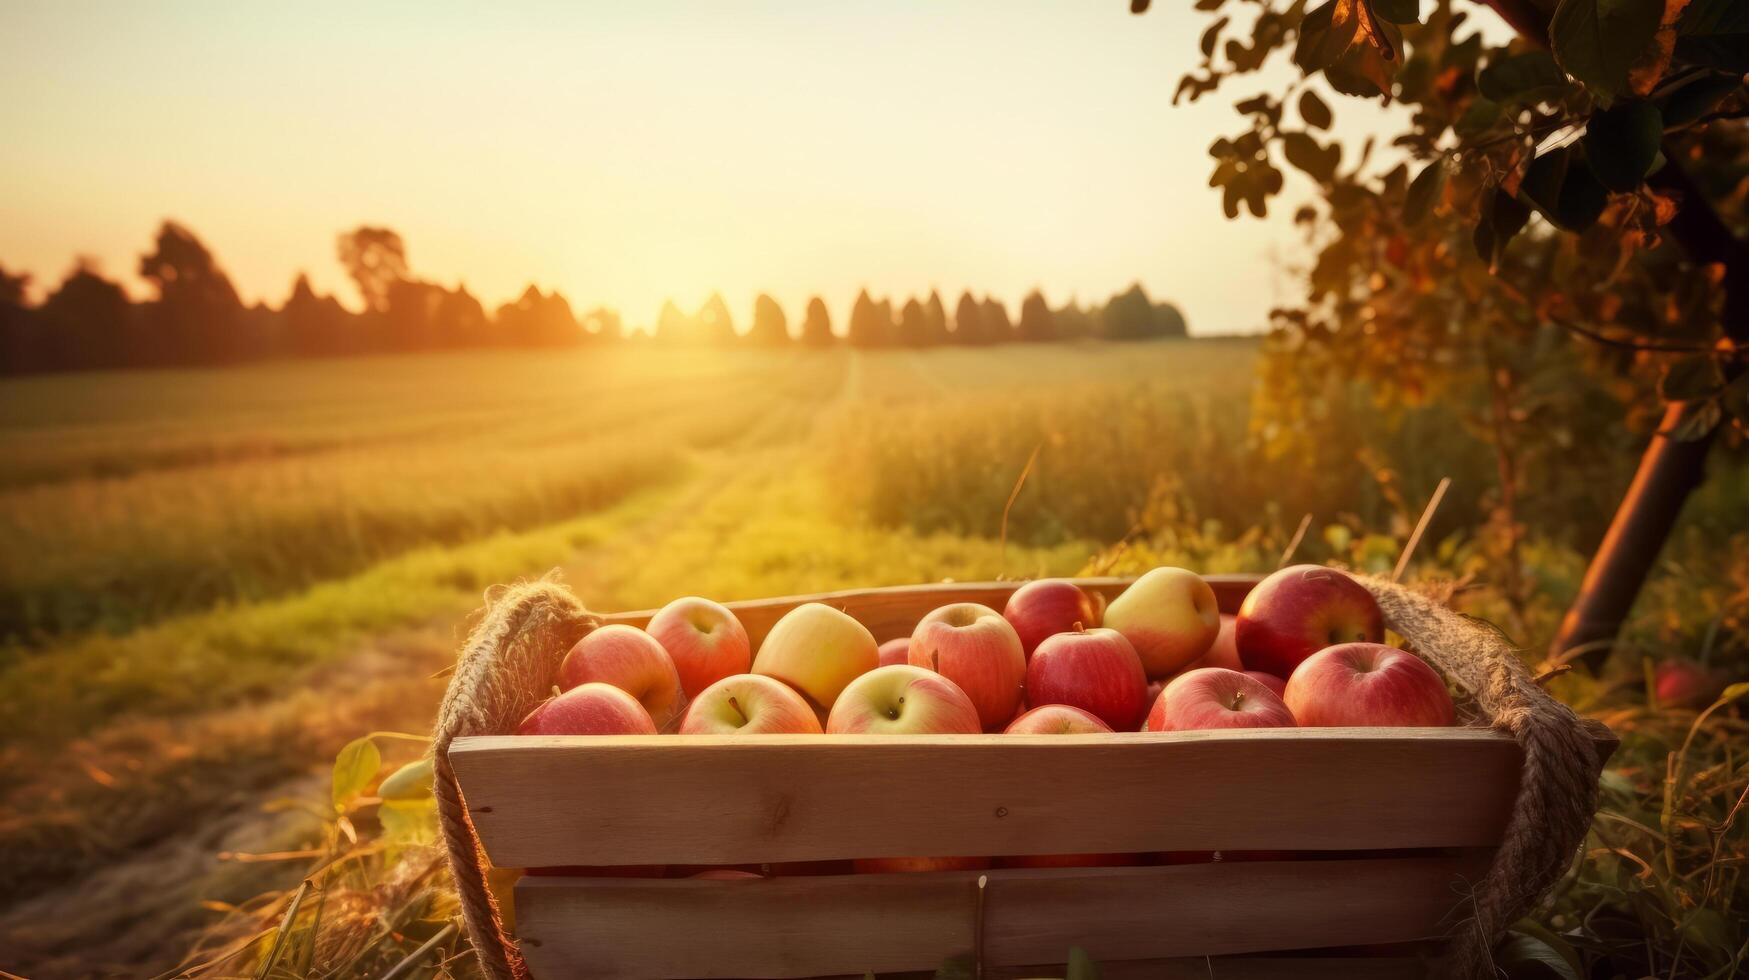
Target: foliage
[1578, 134]
[374, 901]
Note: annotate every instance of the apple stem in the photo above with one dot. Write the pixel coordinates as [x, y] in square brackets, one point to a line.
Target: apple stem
[556, 691]
[737, 706]
[1079, 628]
[934, 662]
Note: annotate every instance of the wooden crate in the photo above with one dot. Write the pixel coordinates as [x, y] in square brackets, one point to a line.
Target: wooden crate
[1384, 827]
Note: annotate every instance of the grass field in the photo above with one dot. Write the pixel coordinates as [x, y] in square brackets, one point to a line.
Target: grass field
[213, 580]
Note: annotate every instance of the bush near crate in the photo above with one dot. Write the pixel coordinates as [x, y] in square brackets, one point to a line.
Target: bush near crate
[507, 665]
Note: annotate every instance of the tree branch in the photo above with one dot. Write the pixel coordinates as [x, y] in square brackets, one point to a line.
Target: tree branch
[1645, 345]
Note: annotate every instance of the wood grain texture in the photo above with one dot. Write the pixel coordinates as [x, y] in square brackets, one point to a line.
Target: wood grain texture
[1401, 963]
[808, 927]
[672, 799]
[893, 612]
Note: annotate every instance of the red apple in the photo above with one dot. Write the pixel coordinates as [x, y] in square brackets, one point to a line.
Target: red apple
[1270, 681]
[896, 651]
[1367, 684]
[1214, 697]
[704, 639]
[903, 700]
[1170, 616]
[889, 865]
[1685, 684]
[749, 704]
[973, 646]
[1056, 719]
[1222, 653]
[589, 709]
[1300, 610]
[1155, 687]
[1048, 606]
[1095, 670]
[632, 661]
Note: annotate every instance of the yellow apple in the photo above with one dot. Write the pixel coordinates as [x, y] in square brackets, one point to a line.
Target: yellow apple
[1169, 615]
[818, 651]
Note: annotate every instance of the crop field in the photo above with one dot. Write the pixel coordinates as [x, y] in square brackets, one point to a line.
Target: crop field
[214, 579]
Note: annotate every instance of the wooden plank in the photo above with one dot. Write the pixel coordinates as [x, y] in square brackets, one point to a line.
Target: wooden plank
[673, 799]
[1380, 967]
[893, 612]
[1401, 964]
[808, 927]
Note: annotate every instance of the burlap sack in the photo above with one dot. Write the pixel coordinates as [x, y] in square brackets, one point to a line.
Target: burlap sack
[509, 662]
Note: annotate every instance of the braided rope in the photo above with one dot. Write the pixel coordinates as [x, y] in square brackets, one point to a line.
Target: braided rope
[1557, 794]
[506, 669]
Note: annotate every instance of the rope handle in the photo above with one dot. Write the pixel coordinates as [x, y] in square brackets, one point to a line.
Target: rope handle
[1564, 755]
[506, 669]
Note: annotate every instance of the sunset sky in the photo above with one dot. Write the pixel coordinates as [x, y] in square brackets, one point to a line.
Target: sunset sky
[628, 152]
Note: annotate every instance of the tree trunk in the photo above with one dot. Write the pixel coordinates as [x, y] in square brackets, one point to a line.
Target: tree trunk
[1670, 470]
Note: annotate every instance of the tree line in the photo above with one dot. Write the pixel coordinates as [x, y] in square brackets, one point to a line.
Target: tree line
[196, 317]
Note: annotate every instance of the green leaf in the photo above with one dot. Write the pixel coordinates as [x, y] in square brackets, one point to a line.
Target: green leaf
[1081, 966]
[1700, 420]
[408, 821]
[1398, 11]
[1597, 41]
[1478, 117]
[1527, 957]
[1735, 398]
[1502, 217]
[1697, 98]
[1522, 77]
[1423, 191]
[1323, 38]
[1314, 111]
[1538, 931]
[1622, 143]
[1541, 185]
[1689, 378]
[1583, 196]
[354, 768]
[1716, 33]
[410, 782]
[1319, 162]
[1708, 929]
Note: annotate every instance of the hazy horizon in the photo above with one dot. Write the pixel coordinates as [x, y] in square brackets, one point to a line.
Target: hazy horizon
[626, 156]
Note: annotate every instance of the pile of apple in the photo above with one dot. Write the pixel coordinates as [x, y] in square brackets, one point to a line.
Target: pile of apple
[1304, 649]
